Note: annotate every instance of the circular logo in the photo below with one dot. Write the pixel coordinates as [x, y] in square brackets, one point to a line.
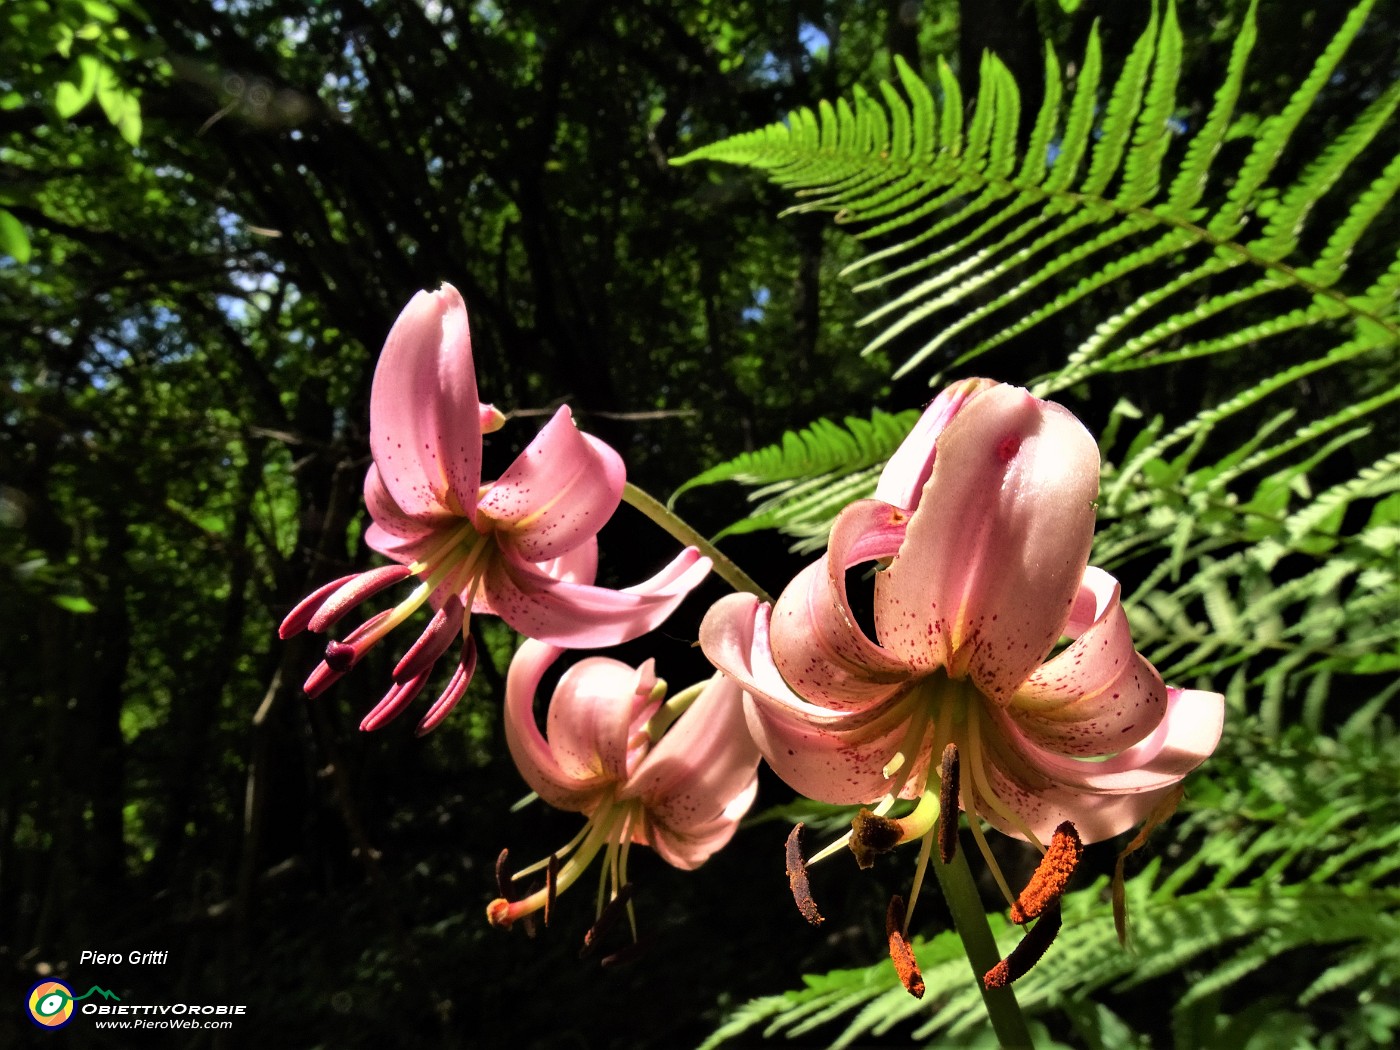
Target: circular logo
[51, 1004]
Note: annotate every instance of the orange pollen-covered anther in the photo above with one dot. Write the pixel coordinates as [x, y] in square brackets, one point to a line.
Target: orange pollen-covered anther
[1051, 876]
[1026, 954]
[872, 835]
[901, 954]
[797, 878]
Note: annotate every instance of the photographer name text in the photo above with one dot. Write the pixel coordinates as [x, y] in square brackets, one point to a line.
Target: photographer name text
[135, 958]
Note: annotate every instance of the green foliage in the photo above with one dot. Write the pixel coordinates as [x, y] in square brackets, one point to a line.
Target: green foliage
[1258, 538]
[1283, 592]
[1293, 847]
[1264, 524]
[88, 37]
[1094, 198]
[803, 482]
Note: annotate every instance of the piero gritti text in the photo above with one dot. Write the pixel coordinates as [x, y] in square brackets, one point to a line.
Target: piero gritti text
[132, 958]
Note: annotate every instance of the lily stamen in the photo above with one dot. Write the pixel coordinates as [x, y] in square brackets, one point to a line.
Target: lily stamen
[601, 760]
[503, 912]
[1026, 954]
[607, 918]
[797, 877]
[1051, 876]
[948, 804]
[901, 952]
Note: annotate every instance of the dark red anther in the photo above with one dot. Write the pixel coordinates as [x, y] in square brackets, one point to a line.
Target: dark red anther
[948, 804]
[437, 637]
[456, 689]
[607, 919]
[305, 609]
[797, 878]
[503, 886]
[1029, 952]
[551, 881]
[395, 700]
[365, 585]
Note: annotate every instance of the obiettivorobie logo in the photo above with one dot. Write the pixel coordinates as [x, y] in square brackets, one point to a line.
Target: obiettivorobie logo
[51, 1002]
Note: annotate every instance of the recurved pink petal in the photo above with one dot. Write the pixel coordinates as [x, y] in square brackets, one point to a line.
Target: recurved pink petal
[394, 533]
[703, 763]
[579, 565]
[841, 763]
[597, 709]
[689, 848]
[1099, 696]
[817, 644]
[557, 494]
[425, 414]
[904, 475]
[1103, 798]
[993, 556]
[581, 616]
[831, 756]
[533, 756]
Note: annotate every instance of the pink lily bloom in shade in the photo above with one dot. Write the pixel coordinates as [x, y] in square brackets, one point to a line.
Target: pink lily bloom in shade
[523, 548]
[984, 531]
[674, 776]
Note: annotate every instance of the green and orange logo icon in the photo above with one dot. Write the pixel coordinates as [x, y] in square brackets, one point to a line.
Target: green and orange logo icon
[51, 1002]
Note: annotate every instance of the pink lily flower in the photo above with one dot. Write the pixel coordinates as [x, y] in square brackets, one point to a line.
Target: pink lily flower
[984, 532]
[523, 548]
[675, 776]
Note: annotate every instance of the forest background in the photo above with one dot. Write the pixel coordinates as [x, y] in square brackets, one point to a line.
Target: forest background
[210, 214]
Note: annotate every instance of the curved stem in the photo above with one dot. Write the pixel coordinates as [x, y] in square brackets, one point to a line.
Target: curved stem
[982, 953]
[724, 567]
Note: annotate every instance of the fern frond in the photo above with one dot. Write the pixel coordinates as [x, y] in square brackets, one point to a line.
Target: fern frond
[803, 481]
[1230, 248]
[1295, 843]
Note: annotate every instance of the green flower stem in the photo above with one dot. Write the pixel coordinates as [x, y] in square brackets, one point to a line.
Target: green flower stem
[724, 568]
[982, 952]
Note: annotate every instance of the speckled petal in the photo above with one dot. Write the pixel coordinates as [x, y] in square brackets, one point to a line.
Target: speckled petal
[1098, 696]
[690, 848]
[395, 533]
[557, 494]
[424, 411]
[695, 778]
[992, 558]
[1103, 798]
[818, 646]
[831, 756]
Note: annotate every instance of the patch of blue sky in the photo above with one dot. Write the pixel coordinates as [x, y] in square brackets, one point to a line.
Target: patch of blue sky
[755, 310]
[813, 40]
